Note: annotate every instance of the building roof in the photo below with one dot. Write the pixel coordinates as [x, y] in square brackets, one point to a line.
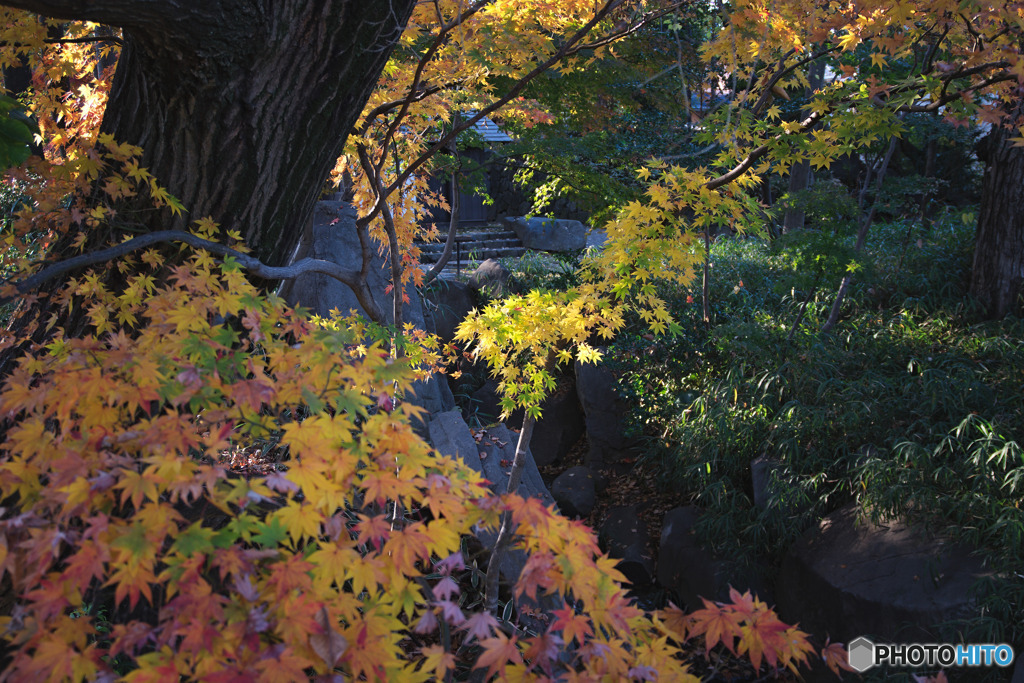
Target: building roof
[489, 131]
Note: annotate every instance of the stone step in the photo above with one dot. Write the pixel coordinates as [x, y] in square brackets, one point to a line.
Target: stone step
[477, 255]
[479, 236]
[476, 244]
[464, 247]
[492, 234]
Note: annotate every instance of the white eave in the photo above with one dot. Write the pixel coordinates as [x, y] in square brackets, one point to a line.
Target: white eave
[489, 131]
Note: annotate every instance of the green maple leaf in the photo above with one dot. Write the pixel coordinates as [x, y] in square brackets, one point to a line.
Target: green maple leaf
[135, 541]
[242, 527]
[195, 539]
[271, 533]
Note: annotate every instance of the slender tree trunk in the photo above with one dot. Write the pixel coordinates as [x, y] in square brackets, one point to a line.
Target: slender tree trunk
[800, 175]
[705, 292]
[505, 533]
[799, 180]
[997, 274]
[862, 235]
[241, 106]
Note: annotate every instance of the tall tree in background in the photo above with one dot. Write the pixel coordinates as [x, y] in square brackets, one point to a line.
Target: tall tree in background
[997, 274]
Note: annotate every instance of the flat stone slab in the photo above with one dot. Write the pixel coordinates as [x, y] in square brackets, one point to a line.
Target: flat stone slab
[849, 577]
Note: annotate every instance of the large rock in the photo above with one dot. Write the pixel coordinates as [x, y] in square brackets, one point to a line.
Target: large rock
[559, 428]
[683, 565]
[549, 234]
[447, 303]
[575, 491]
[561, 425]
[487, 405]
[849, 577]
[450, 435]
[491, 453]
[434, 396]
[490, 279]
[603, 412]
[693, 571]
[332, 237]
[624, 536]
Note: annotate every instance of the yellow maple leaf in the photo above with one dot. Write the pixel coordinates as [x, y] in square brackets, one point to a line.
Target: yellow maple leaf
[300, 520]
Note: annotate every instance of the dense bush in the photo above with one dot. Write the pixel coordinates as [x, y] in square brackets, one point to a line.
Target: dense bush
[910, 405]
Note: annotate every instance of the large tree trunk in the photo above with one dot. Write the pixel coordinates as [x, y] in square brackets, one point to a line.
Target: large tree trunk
[241, 106]
[997, 275]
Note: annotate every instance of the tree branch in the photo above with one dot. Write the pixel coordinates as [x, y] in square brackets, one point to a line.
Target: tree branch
[453, 223]
[250, 263]
[85, 39]
[813, 119]
[755, 154]
[112, 12]
[513, 92]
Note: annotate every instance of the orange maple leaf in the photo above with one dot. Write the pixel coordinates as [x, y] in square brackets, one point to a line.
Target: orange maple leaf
[573, 626]
[718, 625]
[498, 652]
[836, 658]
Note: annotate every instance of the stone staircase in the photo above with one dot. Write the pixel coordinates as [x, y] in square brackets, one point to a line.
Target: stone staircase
[472, 246]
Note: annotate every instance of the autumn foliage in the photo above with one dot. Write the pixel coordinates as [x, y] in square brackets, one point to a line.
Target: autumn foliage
[147, 532]
[207, 484]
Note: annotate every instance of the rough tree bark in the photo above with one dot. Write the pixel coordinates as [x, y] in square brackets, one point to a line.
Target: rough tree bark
[241, 106]
[997, 275]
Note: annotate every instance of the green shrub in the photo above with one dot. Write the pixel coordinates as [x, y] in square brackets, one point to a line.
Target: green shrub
[910, 406]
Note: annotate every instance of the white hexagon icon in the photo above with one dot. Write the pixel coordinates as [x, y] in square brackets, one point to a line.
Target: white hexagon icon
[862, 654]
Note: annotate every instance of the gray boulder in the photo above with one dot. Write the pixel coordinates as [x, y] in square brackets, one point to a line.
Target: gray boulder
[596, 239]
[561, 425]
[624, 536]
[693, 571]
[434, 396]
[449, 435]
[603, 411]
[850, 577]
[683, 565]
[490, 279]
[492, 454]
[332, 237]
[559, 428]
[498, 444]
[548, 234]
[575, 491]
[487, 404]
[447, 303]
